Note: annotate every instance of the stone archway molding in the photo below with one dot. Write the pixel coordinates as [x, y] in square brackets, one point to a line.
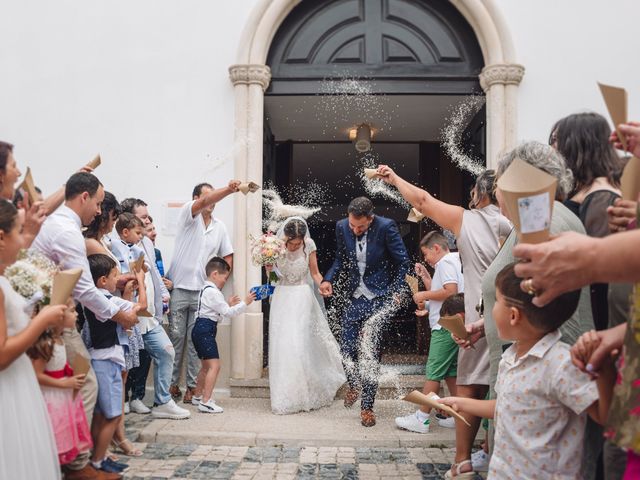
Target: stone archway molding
[250, 76]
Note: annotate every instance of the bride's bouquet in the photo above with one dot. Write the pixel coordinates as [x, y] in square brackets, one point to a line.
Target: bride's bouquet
[31, 276]
[266, 250]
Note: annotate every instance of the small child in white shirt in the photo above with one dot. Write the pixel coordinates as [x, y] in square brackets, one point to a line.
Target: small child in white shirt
[542, 397]
[212, 307]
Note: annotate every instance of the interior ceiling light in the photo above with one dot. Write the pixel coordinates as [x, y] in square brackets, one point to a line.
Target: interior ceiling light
[361, 136]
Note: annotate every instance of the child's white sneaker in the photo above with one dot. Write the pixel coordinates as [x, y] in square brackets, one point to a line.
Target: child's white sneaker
[210, 407]
[480, 461]
[412, 423]
[195, 400]
[126, 408]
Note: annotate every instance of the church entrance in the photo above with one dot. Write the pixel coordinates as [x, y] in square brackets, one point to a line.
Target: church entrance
[397, 66]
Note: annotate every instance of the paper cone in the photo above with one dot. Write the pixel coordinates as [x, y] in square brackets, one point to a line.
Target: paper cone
[95, 163]
[630, 181]
[136, 265]
[529, 194]
[63, 284]
[616, 100]
[371, 172]
[247, 187]
[415, 216]
[80, 366]
[431, 401]
[412, 282]
[29, 187]
[455, 325]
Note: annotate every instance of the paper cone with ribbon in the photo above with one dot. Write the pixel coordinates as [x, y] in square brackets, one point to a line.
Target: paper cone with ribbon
[431, 401]
[29, 186]
[63, 284]
[95, 163]
[529, 194]
[371, 173]
[247, 187]
[415, 216]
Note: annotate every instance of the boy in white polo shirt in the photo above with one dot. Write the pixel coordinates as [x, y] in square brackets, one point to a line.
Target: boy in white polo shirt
[442, 362]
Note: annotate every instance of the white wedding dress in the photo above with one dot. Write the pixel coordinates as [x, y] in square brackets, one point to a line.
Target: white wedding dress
[305, 367]
[27, 446]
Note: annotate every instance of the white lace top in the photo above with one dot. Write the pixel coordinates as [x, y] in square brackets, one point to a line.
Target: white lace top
[294, 266]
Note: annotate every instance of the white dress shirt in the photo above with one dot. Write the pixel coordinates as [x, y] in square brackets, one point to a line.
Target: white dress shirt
[361, 257]
[195, 245]
[540, 413]
[60, 239]
[214, 307]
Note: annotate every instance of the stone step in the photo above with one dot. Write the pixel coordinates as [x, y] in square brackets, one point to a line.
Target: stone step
[388, 389]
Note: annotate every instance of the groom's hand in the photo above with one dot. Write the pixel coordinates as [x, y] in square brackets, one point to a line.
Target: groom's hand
[326, 290]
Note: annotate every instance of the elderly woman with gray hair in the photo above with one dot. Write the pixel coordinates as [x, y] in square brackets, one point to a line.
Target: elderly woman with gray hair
[478, 232]
[549, 160]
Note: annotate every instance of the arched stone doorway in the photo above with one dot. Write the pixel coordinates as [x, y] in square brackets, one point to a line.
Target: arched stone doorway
[400, 45]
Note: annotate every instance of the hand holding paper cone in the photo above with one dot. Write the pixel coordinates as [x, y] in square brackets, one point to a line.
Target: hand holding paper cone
[529, 194]
[415, 216]
[29, 187]
[455, 325]
[431, 401]
[247, 187]
[413, 283]
[95, 163]
[63, 284]
[137, 265]
[371, 172]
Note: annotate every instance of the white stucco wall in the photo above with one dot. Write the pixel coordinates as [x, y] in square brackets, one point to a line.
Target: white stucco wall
[145, 84]
[566, 47]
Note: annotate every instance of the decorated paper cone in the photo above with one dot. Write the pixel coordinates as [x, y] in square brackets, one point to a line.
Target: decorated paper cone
[529, 194]
[412, 282]
[247, 187]
[630, 181]
[371, 172]
[80, 366]
[63, 284]
[29, 187]
[415, 216]
[95, 163]
[455, 325]
[616, 101]
[431, 401]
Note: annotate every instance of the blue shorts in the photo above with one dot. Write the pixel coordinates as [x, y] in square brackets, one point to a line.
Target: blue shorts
[109, 375]
[203, 336]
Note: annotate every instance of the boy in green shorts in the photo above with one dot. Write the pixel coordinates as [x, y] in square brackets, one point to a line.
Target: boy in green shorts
[444, 293]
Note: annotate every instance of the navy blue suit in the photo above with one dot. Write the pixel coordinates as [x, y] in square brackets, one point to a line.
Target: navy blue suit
[387, 265]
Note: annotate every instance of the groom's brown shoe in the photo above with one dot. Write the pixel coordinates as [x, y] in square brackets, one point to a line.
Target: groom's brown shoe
[367, 418]
[351, 397]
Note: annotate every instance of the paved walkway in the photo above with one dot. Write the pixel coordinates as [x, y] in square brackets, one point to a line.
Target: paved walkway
[248, 442]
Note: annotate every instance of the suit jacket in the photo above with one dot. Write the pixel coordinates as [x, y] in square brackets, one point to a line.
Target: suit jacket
[387, 258]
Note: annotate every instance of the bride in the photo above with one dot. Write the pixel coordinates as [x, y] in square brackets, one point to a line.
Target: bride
[305, 368]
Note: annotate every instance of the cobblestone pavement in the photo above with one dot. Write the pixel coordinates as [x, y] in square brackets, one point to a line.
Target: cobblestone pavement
[162, 460]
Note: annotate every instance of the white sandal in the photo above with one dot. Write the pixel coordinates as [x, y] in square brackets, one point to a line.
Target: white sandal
[460, 475]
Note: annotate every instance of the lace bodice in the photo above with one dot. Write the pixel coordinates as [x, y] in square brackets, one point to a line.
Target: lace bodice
[294, 266]
[14, 308]
[58, 359]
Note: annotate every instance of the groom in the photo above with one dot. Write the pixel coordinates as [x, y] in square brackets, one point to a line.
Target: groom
[371, 252]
